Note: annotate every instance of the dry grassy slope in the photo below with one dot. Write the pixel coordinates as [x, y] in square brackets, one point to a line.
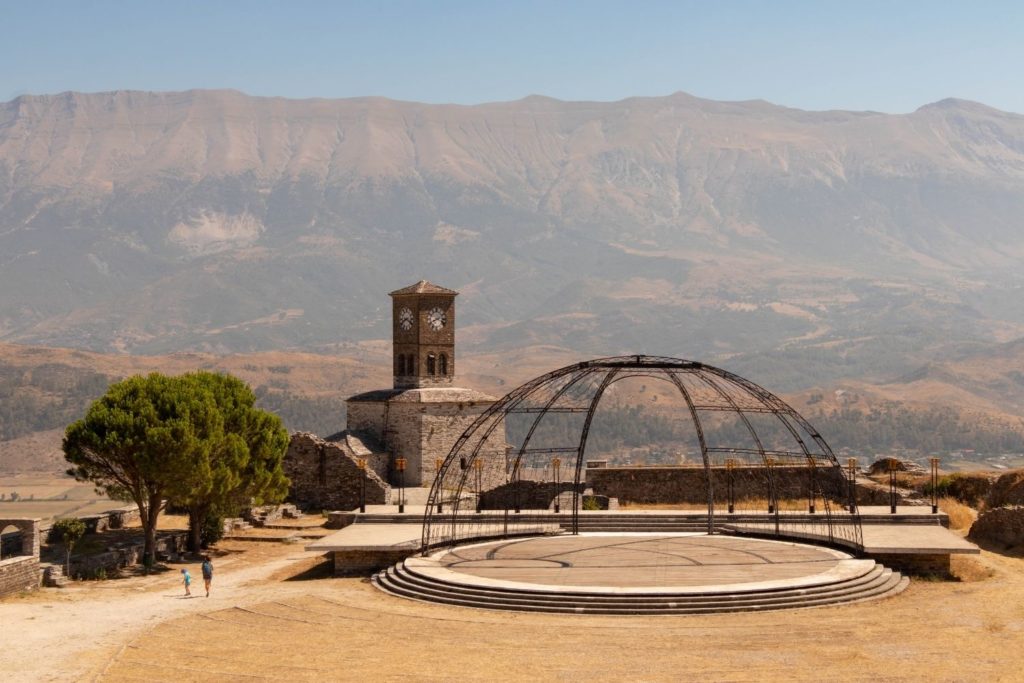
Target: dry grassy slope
[366, 366]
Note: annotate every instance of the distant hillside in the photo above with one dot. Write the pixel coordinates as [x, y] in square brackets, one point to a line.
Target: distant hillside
[44, 389]
[803, 247]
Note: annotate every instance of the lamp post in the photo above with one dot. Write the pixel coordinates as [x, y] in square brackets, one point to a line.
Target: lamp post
[400, 467]
[770, 464]
[361, 462]
[438, 462]
[935, 485]
[515, 486]
[556, 465]
[478, 468]
[851, 464]
[730, 484]
[892, 464]
[810, 486]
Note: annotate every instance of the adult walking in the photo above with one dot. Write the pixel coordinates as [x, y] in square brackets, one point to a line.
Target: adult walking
[207, 567]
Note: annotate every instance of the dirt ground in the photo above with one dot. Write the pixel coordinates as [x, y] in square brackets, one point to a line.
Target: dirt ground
[275, 614]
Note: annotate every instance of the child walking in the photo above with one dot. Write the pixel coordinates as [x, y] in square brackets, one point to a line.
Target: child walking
[187, 578]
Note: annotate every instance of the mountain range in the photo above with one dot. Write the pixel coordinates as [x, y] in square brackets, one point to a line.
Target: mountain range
[800, 248]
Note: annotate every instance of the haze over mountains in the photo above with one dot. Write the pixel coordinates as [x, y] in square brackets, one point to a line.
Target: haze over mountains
[801, 248]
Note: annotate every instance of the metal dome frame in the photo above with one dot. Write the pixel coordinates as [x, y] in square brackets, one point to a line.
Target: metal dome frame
[451, 517]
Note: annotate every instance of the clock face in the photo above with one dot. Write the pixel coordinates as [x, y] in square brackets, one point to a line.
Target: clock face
[436, 319]
[405, 319]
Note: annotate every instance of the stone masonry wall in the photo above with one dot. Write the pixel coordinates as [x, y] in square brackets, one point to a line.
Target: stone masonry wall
[530, 495]
[29, 530]
[422, 433]
[689, 485]
[168, 545]
[19, 574]
[325, 477]
[366, 416]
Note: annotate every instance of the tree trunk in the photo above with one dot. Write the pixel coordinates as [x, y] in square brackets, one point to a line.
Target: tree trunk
[196, 520]
[149, 520]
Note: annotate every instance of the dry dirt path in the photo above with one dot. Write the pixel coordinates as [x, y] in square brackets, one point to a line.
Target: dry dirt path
[73, 633]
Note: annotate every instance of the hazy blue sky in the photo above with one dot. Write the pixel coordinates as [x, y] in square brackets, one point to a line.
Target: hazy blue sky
[889, 56]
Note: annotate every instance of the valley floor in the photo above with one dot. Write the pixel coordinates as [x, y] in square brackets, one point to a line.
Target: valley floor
[275, 615]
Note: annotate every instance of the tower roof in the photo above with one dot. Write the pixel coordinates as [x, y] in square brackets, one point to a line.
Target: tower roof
[423, 287]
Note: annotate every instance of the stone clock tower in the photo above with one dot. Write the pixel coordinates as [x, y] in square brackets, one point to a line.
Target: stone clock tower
[424, 414]
[423, 334]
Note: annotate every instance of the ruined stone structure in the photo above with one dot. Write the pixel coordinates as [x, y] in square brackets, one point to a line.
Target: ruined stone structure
[21, 571]
[325, 475]
[418, 420]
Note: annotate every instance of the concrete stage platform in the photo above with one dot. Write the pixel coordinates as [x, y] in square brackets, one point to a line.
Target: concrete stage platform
[640, 573]
[913, 540]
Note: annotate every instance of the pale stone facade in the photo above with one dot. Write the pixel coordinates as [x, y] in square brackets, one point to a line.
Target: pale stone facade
[421, 425]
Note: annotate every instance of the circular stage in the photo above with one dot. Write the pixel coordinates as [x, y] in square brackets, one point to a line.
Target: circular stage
[640, 574]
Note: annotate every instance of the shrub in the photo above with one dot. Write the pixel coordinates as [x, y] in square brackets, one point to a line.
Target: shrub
[969, 489]
[213, 529]
[69, 531]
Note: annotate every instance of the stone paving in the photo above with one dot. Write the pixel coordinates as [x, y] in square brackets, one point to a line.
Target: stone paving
[643, 561]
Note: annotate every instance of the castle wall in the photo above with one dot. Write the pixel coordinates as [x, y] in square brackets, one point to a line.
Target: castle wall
[366, 416]
[325, 477]
[423, 433]
[22, 572]
[19, 574]
[689, 484]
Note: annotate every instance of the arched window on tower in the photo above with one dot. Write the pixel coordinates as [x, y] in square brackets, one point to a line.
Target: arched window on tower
[444, 365]
[431, 364]
[399, 365]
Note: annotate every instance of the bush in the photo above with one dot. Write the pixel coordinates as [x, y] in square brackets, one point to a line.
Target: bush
[68, 531]
[969, 489]
[213, 529]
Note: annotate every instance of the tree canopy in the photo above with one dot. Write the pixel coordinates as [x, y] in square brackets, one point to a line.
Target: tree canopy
[195, 440]
[242, 458]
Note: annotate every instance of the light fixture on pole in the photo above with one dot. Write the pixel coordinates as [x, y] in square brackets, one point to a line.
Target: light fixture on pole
[400, 467]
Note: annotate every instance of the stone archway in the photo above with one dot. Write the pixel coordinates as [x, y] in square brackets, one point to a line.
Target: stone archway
[29, 532]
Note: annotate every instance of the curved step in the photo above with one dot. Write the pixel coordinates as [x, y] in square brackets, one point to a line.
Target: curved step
[839, 590]
[876, 583]
[637, 609]
[410, 576]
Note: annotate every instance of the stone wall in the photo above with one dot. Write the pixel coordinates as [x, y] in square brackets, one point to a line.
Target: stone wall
[324, 476]
[111, 519]
[917, 564]
[689, 484]
[423, 431]
[366, 416]
[19, 574]
[530, 495]
[168, 546]
[357, 562]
